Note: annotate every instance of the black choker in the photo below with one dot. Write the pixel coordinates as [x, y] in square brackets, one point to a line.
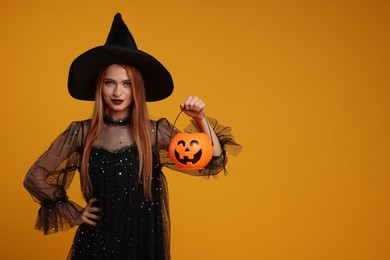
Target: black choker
[118, 122]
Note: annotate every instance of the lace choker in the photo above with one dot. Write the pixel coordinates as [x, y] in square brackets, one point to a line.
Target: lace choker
[118, 122]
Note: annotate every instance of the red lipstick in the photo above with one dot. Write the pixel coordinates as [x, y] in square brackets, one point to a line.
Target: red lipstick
[117, 101]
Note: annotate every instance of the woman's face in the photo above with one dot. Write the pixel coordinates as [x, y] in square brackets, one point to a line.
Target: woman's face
[116, 91]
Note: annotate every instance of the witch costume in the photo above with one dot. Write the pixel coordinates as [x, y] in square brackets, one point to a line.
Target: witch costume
[129, 226]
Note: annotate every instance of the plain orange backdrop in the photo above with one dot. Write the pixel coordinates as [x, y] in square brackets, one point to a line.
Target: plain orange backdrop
[304, 85]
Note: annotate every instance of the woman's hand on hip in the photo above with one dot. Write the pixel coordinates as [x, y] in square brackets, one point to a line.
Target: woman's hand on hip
[89, 214]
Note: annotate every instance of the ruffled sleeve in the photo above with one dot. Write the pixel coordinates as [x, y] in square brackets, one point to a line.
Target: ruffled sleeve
[165, 132]
[50, 176]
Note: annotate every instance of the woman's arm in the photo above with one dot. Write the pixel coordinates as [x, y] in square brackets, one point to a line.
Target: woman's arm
[50, 176]
[195, 108]
[222, 139]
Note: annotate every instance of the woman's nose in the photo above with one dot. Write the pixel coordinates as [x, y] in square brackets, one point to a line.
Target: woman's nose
[117, 91]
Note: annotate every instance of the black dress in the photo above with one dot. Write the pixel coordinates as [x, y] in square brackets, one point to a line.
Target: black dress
[130, 227]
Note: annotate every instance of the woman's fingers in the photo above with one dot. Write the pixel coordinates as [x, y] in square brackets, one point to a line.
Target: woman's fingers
[88, 221]
[193, 104]
[90, 213]
[193, 107]
[91, 201]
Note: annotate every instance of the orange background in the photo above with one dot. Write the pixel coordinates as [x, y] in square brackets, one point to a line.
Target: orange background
[304, 85]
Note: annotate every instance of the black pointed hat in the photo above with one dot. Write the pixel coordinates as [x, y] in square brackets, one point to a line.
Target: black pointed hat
[120, 48]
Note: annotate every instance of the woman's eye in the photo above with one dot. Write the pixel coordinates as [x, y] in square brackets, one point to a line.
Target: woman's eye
[109, 83]
[127, 84]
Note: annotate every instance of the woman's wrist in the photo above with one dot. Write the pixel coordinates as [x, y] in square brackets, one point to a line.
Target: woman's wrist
[201, 119]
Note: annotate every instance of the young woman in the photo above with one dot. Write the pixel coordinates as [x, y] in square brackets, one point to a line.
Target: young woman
[119, 153]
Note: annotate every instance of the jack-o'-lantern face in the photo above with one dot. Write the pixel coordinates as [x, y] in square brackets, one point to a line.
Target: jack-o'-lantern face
[190, 150]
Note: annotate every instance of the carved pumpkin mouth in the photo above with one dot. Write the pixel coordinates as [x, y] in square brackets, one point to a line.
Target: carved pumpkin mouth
[185, 160]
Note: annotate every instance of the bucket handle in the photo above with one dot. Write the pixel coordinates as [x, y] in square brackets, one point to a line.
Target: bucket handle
[208, 125]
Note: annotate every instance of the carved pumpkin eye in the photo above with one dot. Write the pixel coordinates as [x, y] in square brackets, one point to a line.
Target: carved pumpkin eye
[194, 142]
[190, 151]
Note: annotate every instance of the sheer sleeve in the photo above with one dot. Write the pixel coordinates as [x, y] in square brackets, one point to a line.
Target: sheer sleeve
[165, 131]
[50, 176]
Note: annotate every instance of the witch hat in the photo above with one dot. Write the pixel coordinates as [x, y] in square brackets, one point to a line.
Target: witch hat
[120, 48]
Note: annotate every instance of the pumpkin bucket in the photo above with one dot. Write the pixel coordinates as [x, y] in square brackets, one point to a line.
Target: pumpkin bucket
[190, 150]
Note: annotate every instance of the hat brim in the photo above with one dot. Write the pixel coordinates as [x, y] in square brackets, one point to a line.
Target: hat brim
[85, 68]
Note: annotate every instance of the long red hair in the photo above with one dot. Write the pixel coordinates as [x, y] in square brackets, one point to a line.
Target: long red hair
[141, 127]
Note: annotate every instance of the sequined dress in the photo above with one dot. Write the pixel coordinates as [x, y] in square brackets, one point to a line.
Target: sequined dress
[130, 227]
